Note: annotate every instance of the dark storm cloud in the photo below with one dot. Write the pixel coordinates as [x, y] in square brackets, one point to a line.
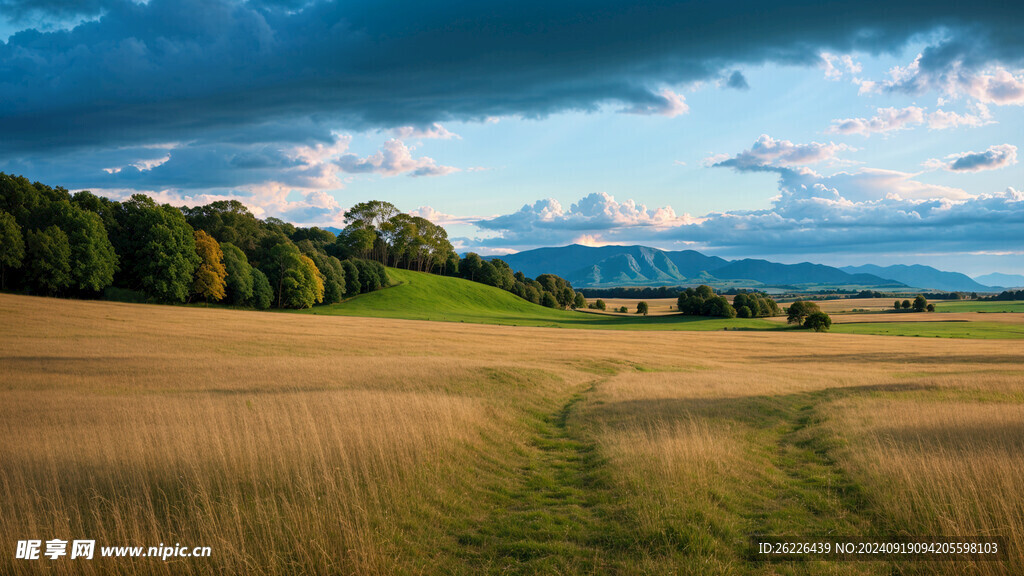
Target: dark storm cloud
[18, 9]
[179, 70]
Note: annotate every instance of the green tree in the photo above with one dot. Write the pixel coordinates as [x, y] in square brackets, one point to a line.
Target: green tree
[262, 293]
[642, 308]
[920, 303]
[239, 281]
[330, 268]
[12, 245]
[209, 283]
[354, 242]
[818, 321]
[931, 308]
[601, 305]
[352, 285]
[896, 305]
[157, 247]
[470, 267]
[296, 280]
[906, 305]
[798, 311]
[49, 259]
[93, 260]
[566, 296]
[743, 312]
[227, 221]
[369, 279]
[719, 307]
[580, 301]
[549, 300]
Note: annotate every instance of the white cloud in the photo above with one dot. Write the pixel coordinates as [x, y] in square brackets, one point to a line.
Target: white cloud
[892, 119]
[886, 120]
[953, 78]
[998, 156]
[835, 66]
[392, 159]
[434, 130]
[768, 152]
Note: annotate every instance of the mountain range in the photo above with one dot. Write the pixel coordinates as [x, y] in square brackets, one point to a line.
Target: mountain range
[587, 266]
[608, 266]
[922, 277]
[1004, 280]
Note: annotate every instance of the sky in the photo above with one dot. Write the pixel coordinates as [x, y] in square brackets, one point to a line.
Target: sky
[875, 132]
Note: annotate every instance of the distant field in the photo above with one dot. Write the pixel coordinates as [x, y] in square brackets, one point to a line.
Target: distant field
[976, 329]
[294, 444]
[657, 306]
[975, 306]
[849, 304]
[429, 297]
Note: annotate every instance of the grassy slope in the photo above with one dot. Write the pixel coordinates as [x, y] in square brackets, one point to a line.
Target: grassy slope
[422, 296]
[419, 296]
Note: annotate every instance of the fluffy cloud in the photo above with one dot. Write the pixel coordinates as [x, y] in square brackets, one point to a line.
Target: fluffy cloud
[836, 66]
[998, 156]
[857, 211]
[392, 159]
[895, 119]
[956, 70]
[814, 220]
[887, 120]
[767, 153]
[547, 220]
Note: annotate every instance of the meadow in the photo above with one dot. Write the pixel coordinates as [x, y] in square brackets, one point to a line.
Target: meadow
[419, 296]
[302, 444]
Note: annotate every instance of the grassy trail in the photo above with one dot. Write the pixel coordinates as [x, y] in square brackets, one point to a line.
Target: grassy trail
[557, 513]
[562, 511]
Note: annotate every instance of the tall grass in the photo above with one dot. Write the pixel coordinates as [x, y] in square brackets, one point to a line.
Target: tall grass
[296, 444]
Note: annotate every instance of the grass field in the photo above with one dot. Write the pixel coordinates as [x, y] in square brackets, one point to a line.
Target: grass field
[296, 444]
[975, 306]
[419, 296]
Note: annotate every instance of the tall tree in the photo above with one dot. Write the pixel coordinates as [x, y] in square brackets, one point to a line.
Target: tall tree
[239, 280]
[158, 248]
[93, 260]
[211, 275]
[352, 285]
[262, 293]
[49, 259]
[12, 245]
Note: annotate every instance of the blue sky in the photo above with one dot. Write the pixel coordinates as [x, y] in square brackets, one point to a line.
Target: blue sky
[871, 133]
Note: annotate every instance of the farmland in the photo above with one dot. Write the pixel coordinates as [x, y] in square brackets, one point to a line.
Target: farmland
[308, 444]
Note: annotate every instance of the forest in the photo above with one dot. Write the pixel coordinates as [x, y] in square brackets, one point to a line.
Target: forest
[82, 245]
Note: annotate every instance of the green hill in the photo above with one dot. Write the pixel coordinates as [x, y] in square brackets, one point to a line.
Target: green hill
[419, 296]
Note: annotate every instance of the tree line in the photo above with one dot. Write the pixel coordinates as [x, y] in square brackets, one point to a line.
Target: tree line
[56, 243]
[702, 301]
[1005, 295]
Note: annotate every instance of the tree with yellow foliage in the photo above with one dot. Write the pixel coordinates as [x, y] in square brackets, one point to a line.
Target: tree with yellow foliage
[210, 280]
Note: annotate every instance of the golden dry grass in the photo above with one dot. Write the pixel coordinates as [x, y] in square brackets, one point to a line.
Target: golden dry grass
[310, 445]
[656, 306]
